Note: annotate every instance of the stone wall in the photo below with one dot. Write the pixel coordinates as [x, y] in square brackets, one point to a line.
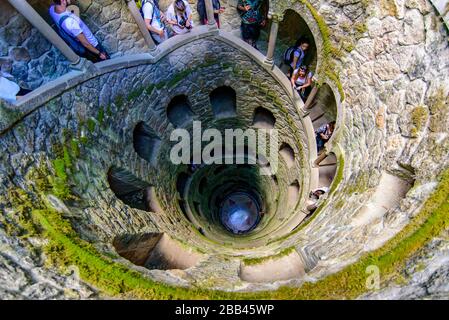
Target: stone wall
[25, 53]
[393, 69]
[126, 97]
[33, 61]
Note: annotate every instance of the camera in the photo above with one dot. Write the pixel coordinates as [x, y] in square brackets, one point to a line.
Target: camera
[182, 22]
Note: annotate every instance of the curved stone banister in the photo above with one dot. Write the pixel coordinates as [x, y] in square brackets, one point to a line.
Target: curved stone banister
[37, 98]
[442, 7]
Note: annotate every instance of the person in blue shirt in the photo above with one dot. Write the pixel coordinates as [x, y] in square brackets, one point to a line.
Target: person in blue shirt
[323, 134]
[302, 46]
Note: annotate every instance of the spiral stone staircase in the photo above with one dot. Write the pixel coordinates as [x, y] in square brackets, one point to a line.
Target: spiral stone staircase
[93, 207]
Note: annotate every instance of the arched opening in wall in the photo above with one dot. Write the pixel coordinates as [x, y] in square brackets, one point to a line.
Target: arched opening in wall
[181, 183]
[263, 119]
[202, 185]
[179, 112]
[155, 251]
[323, 108]
[96, 21]
[292, 28]
[146, 143]
[128, 188]
[293, 194]
[287, 153]
[327, 170]
[224, 102]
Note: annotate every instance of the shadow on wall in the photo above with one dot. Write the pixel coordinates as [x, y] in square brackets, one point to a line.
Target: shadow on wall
[325, 105]
[132, 191]
[276, 268]
[146, 143]
[155, 251]
[224, 102]
[263, 119]
[179, 112]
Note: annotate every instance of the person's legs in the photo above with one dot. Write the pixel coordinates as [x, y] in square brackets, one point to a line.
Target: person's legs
[245, 32]
[255, 34]
[319, 143]
[157, 38]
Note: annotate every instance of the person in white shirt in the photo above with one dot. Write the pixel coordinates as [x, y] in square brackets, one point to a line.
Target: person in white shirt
[314, 198]
[154, 20]
[9, 90]
[78, 30]
[302, 82]
[179, 15]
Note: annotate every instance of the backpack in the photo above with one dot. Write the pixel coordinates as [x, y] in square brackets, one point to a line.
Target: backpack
[288, 54]
[143, 2]
[73, 43]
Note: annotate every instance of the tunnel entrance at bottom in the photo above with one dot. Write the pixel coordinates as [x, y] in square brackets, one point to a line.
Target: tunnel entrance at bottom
[239, 212]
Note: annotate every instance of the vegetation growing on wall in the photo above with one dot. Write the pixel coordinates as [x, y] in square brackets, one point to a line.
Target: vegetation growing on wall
[114, 279]
[329, 52]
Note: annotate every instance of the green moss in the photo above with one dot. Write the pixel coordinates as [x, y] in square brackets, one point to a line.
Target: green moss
[109, 111]
[361, 27]
[135, 93]
[75, 148]
[360, 185]
[338, 176]
[59, 182]
[419, 117]
[114, 279]
[329, 52]
[8, 115]
[119, 101]
[255, 261]
[150, 89]
[439, 111]
[91, 124]
[100, 116]
[246, 74]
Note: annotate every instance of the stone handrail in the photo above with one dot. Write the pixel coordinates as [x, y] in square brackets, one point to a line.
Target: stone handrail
[11, 114]
[442, 7]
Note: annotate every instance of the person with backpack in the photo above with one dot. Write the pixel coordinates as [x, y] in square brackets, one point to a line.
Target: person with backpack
[323, 134]
[179, 15]
[302, 81]
[252, 20]
[201, 8]
[295, 55]
[154, 20]
[76, 33]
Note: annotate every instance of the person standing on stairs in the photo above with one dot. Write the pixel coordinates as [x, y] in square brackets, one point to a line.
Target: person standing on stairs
[76, 33]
